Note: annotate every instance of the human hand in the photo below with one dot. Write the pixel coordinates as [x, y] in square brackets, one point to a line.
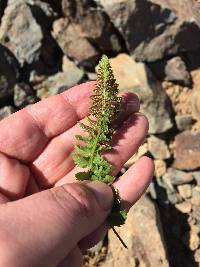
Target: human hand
[46, 217]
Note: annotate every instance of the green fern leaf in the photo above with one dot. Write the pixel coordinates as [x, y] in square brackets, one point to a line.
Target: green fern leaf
[105, 106]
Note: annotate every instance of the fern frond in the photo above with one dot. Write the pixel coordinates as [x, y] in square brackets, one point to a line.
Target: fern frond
[105, 105]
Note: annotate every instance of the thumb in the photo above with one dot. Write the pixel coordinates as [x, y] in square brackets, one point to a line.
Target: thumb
[40, 230]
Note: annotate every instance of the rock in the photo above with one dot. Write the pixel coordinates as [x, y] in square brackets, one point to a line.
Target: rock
[23, 95]
[25, 30]
[151, 190]
[174, 198]
[97, 248]
[195, 201]
[94, 22]
[61, 81]
[197, 176]
[185, 190]
[74, 44]
[92, 76]
[194, 240]
[144, 240]
[85, 33]
[137, 77]
[196, 191]
[196, 214]
[187, 150]
[6, 111]
[158, 148]
[169, 27]
[56, 5]
[177, 177]
[197, 255]
[9, 72]
[69, 66]
[180, 97]
[18, 25]
[184, 122]
[172, 70]
[143, 149]
[176, 71]
[196, 104]
[160, 167]
[184, 207]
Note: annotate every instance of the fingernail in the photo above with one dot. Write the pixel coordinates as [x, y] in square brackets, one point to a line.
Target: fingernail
[103, 194]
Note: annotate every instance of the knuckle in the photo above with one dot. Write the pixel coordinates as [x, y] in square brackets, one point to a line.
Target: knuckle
[75, 199]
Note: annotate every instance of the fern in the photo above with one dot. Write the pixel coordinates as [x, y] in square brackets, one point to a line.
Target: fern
[105, 105]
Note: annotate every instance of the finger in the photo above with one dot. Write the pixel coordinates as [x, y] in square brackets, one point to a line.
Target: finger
[3, 199]
[14, 177]
[73, 259]
[131, 186]
[125, 143]
[49, 224]
[134, 181]
[56, 161]
[36, 124]
[94, 238]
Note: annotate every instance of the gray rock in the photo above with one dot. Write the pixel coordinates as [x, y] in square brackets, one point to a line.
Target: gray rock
[197, 176]
[197, 255]
[177, 177]
[94, 22]
[158, 148]
[9, 72]
[20, 32]
[187, 150]
[169, 27]
[85, 33]
[184, 122]
[23, 95]
[176, 71]
[173, 198]
[25, 30]
[137, 77]
[196, 191]
[6, 111]
[145, 240]
[92, 76]
[185, 190]
[74, 44]
[61, 81]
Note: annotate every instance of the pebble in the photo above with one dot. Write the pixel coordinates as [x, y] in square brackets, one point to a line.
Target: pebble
[177, 177]
[184, 122]
[185, 190]
[197, 176]
[187, 150]
[158, 148]
[184, 207]
[6, 111]
[197, 255]
[194, 240]
[160, 167]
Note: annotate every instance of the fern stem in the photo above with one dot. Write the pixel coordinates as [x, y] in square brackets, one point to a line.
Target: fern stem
[119, 237]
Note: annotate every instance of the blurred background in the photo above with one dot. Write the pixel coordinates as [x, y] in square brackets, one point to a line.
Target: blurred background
[47, 46]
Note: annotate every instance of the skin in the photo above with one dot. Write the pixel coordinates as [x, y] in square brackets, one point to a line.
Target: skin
[46, 217]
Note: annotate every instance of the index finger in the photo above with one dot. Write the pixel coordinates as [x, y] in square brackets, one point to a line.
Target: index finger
[24, 134]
